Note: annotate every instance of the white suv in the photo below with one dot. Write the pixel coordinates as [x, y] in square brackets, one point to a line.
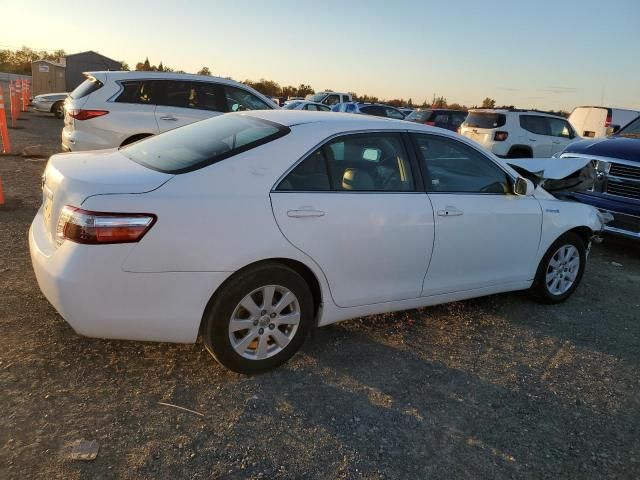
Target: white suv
[111, 109]
[518, 133]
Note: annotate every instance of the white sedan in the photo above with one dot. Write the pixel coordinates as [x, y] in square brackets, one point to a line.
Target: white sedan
[306, 105]
[248, 229]
[50, 103]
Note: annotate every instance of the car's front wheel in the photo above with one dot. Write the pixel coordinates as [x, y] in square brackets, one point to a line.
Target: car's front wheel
[259, 318]
[561, 269]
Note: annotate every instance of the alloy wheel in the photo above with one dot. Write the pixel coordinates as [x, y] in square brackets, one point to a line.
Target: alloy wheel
[562, 269]
[264, 322]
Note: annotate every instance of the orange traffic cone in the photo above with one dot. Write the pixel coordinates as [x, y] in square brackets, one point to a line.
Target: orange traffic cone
[12, 104]
[17, 93]
[1, 193]
[23, 90]
[4, 133]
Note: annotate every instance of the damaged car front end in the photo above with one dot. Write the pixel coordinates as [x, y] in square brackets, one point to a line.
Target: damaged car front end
[564, 179]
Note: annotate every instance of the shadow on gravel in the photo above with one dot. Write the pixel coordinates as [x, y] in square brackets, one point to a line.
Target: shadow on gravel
[409, 418]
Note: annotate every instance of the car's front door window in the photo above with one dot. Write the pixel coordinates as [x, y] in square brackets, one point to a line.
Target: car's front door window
[239, 100]
[451, 166]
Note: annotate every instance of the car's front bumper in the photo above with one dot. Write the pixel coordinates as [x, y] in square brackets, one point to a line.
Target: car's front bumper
[87, 286]
[626, 215]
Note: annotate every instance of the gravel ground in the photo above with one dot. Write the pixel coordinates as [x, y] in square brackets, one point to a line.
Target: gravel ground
[497, 387]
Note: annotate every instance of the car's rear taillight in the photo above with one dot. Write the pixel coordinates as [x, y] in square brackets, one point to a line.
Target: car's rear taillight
[82, 226]
[500, 136]
[607, 122]
[80, 114]
[429, 122]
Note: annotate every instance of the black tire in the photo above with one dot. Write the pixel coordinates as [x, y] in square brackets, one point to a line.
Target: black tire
[215, 328]
[540, 290]
[58, 110]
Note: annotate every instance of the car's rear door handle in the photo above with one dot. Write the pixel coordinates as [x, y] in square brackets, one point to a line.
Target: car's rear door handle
[449, 212]
[169, 117]
[305, 213]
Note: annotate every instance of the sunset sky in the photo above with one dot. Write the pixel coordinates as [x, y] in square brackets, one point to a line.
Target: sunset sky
[543, 54]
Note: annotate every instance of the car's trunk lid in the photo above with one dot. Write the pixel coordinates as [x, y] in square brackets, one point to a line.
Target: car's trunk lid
[71, 178]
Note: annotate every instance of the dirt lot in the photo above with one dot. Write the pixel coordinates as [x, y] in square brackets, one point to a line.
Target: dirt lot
[498, 387]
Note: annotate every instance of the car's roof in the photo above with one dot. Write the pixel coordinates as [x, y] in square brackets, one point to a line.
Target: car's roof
[122, 75]
[342, 121]
[513, 112]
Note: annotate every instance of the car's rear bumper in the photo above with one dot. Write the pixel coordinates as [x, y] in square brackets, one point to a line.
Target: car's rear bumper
[87, 286]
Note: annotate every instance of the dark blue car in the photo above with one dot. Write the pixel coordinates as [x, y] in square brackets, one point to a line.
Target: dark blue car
[617, 186]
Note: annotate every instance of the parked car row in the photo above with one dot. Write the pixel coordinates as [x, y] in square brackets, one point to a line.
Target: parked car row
[113, 109]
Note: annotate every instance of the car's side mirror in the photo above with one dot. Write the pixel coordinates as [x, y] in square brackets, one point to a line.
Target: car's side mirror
[523, 187]
[613, 129]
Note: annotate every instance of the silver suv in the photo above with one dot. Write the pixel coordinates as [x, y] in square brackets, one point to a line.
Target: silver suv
[111, 109]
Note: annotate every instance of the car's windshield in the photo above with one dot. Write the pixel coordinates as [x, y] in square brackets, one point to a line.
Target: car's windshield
[316, 98]
[292, 105]
[203, 143]
[419, 116]
[631, 130]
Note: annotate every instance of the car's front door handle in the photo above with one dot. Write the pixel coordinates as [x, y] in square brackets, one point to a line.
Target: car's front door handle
[449, 212]
[304, 213]
[169, 117]
[532, 139]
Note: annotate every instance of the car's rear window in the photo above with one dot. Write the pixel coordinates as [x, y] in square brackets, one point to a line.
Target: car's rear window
[90, 85]
[485, 120]
[202, 143]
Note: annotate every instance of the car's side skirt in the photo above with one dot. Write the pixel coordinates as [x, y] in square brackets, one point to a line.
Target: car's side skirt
[332, 314]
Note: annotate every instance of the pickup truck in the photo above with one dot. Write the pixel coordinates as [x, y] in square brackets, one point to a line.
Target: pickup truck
[329, 98]
[617, 185]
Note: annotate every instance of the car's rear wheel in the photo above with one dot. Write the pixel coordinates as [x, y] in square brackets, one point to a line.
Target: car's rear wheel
[58, 109]
[561, 269]
[259, 318]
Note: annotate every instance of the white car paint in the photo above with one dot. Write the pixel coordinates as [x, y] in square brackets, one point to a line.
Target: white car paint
[306, 105]
[593, 122]
[369, 252]
[127, 120]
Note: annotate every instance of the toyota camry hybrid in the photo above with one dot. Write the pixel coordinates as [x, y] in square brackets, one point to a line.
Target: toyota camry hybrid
[249, 229]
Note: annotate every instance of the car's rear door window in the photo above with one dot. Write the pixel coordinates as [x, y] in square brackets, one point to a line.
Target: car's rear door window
[203, 143]
[146, 92]
[195, 95]
[375, 162]
[536, 124]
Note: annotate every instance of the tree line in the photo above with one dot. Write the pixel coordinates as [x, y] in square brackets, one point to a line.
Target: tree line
[19, 62]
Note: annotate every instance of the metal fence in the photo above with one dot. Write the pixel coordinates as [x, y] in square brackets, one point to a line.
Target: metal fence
[5, 77]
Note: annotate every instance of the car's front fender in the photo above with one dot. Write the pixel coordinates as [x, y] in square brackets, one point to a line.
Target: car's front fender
[559, 217]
